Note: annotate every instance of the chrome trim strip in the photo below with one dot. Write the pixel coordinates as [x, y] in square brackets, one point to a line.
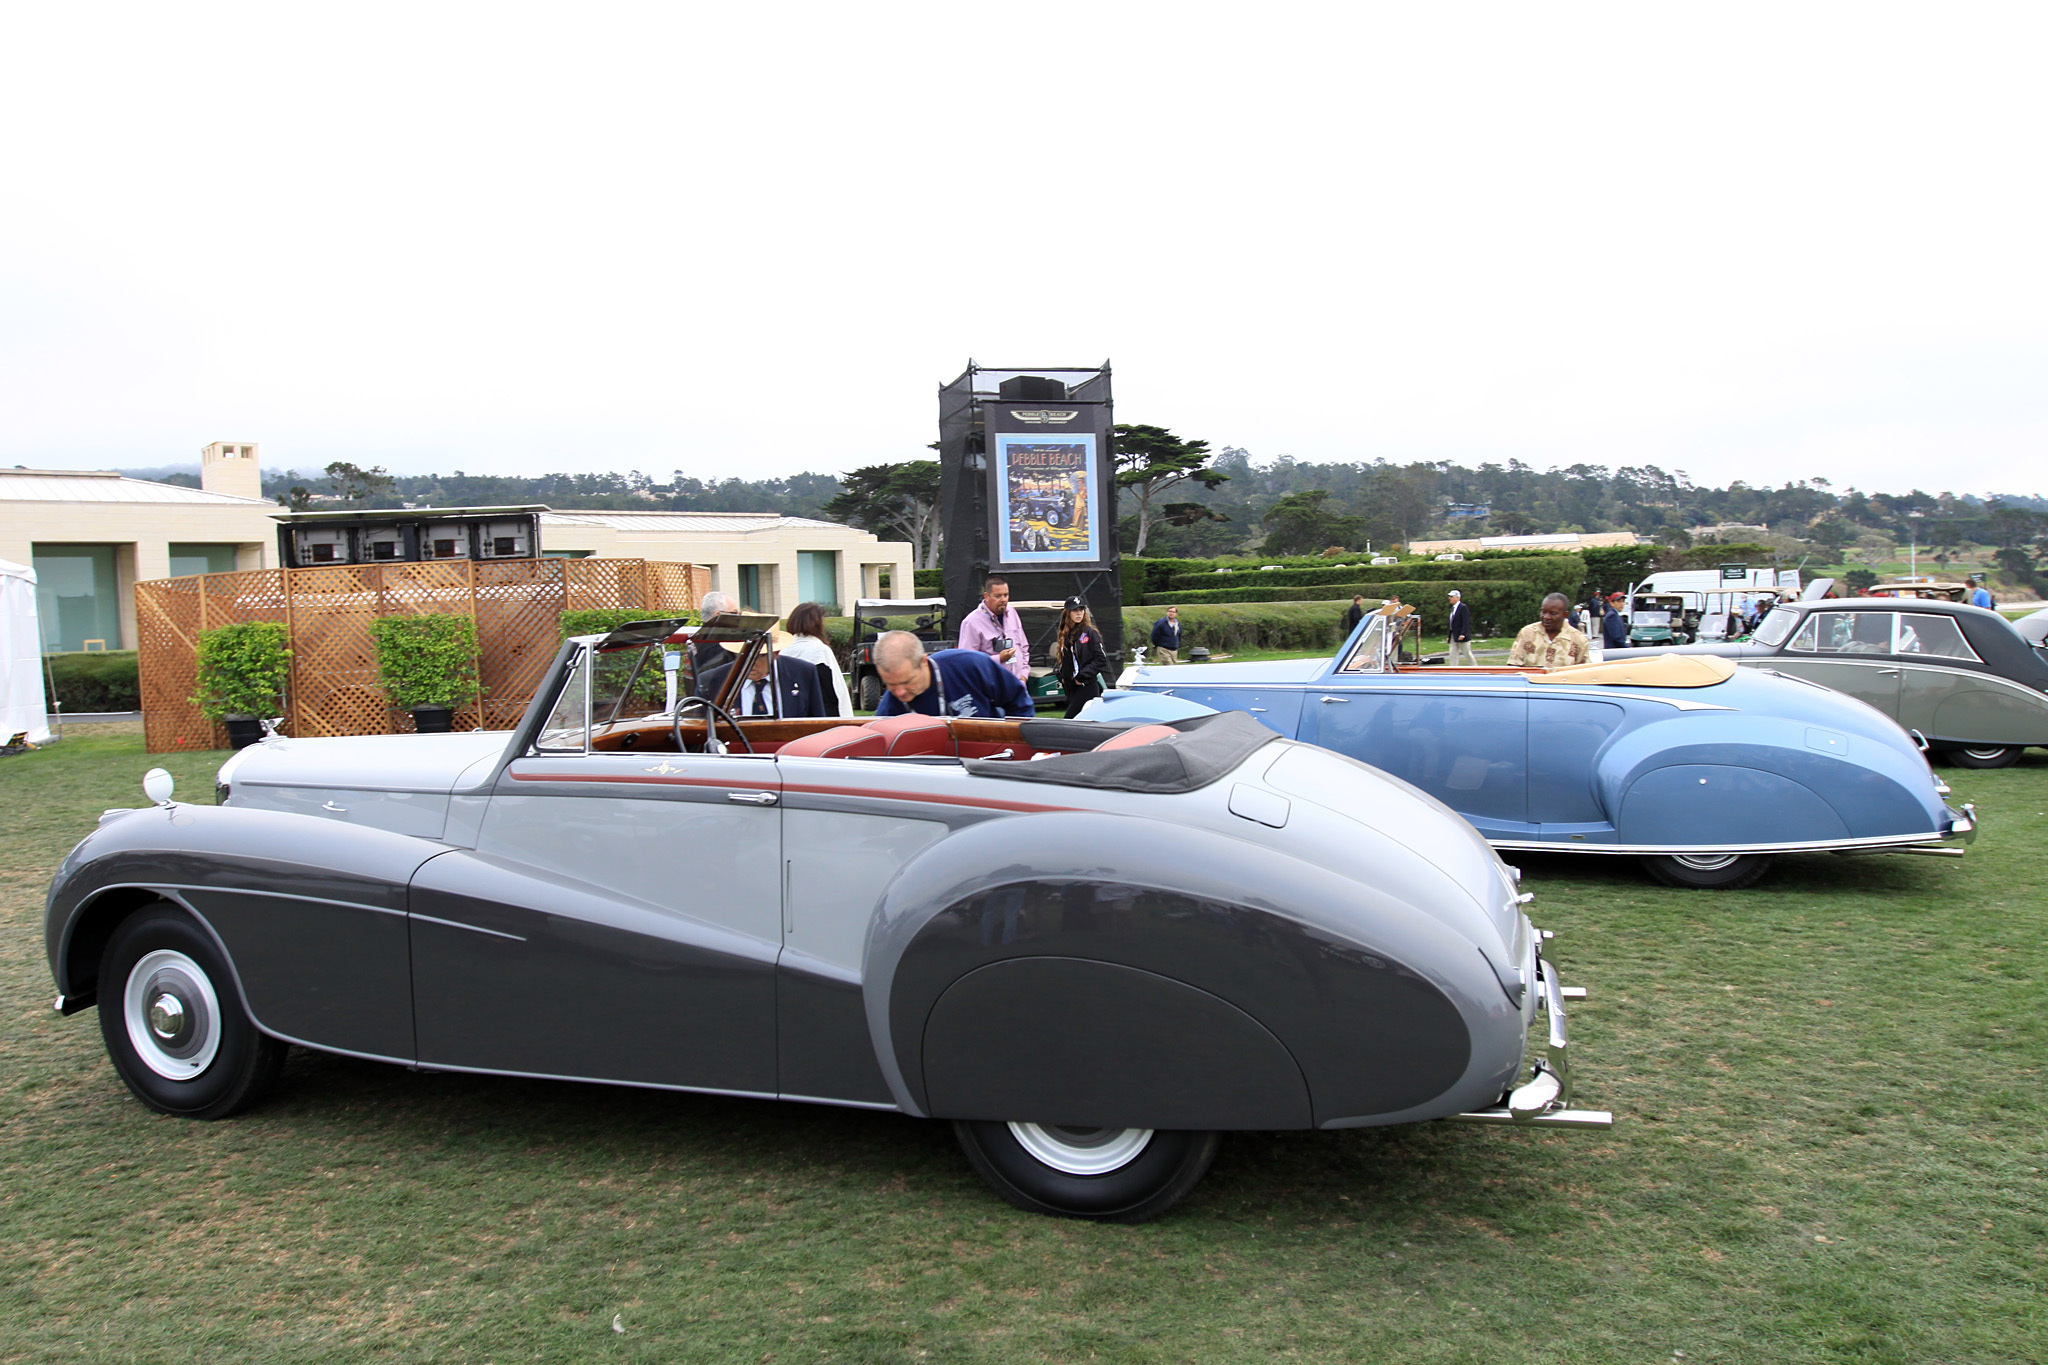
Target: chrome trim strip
[251, 891]
[1877, 844]
[1556, 1118]
[1360, 683]
[473, 928]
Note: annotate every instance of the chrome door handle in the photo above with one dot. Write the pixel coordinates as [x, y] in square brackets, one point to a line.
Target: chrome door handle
[1888, 672]
[338, 810]
[1256, 710]
[752, 798]
[1336, 701]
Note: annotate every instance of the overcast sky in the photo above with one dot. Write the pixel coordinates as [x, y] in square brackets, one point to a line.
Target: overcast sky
[1764, 242]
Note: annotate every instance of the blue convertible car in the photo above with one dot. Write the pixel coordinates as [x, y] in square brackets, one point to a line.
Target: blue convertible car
[1703, 770]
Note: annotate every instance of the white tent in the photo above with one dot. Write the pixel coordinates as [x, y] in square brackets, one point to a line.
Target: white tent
[21, 657]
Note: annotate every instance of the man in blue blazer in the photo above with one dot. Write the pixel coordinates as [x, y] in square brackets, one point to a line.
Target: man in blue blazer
[794, 691]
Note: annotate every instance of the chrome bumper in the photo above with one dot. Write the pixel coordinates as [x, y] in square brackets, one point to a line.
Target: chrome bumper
[1962, 832]
[1543, 1100]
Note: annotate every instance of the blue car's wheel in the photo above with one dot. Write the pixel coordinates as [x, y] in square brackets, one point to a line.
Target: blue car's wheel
[173, 1020]
[1709, 871]
[1112, 1175]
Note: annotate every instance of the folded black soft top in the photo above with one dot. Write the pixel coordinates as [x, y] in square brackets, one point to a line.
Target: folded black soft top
[1206, 748]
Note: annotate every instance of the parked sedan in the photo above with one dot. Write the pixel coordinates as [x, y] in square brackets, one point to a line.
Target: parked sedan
[1959, 676]
[1093, 948]
[1704, 770]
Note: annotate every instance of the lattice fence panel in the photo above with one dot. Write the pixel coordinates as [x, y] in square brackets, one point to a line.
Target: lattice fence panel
[334, 690]
[518, 627]
[166, 662]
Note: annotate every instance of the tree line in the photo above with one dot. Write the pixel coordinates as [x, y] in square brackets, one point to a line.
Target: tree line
[1181, 499]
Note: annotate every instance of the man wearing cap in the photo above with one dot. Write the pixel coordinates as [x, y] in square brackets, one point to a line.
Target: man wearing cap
[1614, 625]
[792, 691]
[1460, 632]
[952, 682]
[1548, 642]
[995, 629]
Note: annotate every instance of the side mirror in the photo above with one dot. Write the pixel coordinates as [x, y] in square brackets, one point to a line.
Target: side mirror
[157, 785]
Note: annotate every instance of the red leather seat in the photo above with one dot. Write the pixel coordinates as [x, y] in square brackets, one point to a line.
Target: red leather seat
[914, 736]
[1131, 739]
[841, 741]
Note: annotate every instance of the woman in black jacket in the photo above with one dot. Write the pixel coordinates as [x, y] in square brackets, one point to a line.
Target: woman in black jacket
[1077, 649]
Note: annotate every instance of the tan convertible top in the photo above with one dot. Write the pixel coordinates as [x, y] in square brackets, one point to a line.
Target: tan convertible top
[1663, 670]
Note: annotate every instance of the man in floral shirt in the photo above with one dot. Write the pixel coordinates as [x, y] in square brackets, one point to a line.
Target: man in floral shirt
[1550, 643]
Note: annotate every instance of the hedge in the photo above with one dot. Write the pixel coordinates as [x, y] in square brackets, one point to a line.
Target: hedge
[97, 681]
[1234, 626]
[1534, 568]
[604, 620]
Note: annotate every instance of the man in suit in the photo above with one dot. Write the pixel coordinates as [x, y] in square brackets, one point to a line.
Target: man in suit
[793, 690]
[1460, 632]
[706, 655]
[1353, 616]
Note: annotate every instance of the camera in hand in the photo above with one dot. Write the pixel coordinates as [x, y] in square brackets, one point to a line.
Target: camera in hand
[1001, 643]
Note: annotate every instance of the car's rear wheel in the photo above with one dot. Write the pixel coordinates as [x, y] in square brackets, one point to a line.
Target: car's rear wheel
[1112, 1175]
[1709, 871]
[173, 1020]
[1985, 755]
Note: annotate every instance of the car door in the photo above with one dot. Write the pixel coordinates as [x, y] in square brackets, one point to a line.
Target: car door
[1849, 651]
[618, 919]
[1466, 745]
[1566, 737]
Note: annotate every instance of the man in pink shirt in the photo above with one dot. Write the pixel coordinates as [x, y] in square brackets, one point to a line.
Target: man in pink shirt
[995, 629]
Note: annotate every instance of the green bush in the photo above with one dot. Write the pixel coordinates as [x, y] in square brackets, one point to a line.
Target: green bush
[1561, 567]
[243, 669]
[929, 582]
[1508, 604]
[1224, 629]
[605, 620]
[427, 660]
[96, 682]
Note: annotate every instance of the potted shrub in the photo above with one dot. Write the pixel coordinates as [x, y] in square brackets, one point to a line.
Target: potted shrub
[428, 666]
[243, 669]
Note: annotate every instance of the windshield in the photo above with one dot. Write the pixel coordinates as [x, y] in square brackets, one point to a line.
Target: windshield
[1365, 655]
[1776, 626]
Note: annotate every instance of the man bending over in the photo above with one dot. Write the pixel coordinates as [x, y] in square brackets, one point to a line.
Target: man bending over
[952, 682]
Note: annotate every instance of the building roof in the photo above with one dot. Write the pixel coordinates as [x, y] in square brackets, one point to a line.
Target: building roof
[71, 485]
[729, 523]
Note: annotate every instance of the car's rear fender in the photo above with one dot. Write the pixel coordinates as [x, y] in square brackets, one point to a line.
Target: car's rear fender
[1129, 972]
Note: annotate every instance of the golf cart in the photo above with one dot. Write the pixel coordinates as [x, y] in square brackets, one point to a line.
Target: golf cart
[871, 616]
[1660, 618]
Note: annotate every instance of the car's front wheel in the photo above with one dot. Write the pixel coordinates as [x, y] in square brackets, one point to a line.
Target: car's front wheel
[1112, 1175]
[1985, 755]
[1709, 871]
[173, 1020]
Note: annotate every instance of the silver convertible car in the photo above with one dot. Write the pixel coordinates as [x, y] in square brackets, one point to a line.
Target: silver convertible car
[1703, 770]
[1093, 948]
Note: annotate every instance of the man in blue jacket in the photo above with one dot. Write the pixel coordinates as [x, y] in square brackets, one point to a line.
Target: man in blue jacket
[1166, 637]
[952, 682]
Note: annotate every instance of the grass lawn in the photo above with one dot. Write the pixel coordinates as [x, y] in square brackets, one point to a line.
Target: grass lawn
[1830, 1148]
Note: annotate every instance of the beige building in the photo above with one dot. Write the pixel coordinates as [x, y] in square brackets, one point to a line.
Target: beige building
[770, 563]
[91, 537]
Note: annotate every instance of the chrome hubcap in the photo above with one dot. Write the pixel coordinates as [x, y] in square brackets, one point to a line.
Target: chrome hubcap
[1082, 1151]
[172, 1015]
[1705, 862]
[1985, 753]
[167, 1017]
